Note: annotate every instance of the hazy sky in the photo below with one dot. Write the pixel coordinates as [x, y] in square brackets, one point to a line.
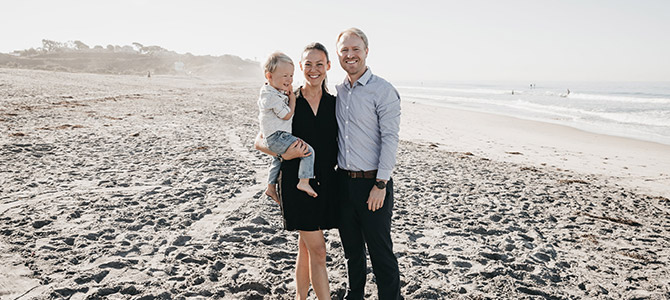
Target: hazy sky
[532, 40]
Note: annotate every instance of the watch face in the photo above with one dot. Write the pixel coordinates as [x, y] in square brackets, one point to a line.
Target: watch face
[381, 185]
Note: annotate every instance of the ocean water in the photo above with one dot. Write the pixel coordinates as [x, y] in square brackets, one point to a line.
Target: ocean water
[639, 110]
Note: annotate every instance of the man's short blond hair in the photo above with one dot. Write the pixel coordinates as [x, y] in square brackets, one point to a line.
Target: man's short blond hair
[357, 32]
[274, 59]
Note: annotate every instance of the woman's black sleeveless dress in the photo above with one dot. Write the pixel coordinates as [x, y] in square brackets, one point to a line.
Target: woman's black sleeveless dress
[299, 210]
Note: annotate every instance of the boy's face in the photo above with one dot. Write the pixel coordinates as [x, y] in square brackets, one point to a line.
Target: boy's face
[282, 78]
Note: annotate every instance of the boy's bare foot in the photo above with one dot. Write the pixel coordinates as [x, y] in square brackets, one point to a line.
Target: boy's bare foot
[271, 192]
[304, 186]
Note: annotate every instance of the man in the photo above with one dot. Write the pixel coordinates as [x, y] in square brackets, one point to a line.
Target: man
[368, 117]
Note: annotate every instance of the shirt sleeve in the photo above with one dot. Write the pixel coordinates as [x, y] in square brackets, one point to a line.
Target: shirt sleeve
[388, 112]
[276, 104]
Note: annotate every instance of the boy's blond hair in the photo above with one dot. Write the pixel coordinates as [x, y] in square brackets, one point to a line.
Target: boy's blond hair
[273, 61]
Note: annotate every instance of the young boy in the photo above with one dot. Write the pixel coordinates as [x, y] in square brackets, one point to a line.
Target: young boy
[277, 104]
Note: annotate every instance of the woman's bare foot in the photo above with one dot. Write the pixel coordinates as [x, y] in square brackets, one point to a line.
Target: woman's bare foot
[304, 186]
[271, 192]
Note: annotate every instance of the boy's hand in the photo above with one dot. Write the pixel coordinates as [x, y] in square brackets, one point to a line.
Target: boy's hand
[289, 91]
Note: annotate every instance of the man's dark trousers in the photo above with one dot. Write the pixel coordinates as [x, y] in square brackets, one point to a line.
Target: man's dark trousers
[360, 226]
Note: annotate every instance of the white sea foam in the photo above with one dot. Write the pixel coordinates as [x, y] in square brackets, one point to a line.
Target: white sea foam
[637, 110]
[456, 90]
[619, 98]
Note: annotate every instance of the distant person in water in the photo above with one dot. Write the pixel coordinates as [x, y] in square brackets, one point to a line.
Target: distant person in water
[277, 105]
[568, 91]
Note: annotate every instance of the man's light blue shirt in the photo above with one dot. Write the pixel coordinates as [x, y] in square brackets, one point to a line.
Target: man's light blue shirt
[368, 117]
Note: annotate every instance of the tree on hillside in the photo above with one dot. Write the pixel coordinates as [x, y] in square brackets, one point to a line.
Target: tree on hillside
[51, 46]
[154, 49]
[27, 52]
[127, 49]
[79, 45]
[139, 47]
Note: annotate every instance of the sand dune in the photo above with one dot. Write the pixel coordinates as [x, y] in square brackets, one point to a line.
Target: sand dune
[130, 187]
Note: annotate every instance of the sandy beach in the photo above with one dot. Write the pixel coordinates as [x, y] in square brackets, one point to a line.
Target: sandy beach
[638, 165]
[127, 187]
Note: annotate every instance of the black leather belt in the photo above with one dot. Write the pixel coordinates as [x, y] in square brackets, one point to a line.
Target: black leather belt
[359, 174]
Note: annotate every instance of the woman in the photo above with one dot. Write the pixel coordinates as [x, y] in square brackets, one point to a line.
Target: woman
[314, 122]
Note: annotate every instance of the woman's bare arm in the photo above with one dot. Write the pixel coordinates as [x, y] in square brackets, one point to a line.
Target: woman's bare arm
[296, 150]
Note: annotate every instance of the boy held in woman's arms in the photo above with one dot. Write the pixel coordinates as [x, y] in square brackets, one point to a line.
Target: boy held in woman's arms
[277, 104]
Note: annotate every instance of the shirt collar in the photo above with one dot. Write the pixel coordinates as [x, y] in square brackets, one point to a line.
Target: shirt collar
[268, 88]
[365, 78]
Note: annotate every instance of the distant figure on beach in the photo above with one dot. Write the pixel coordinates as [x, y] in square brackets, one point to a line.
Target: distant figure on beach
[314, 122]
[276, 105]
[512, 92]
[149, 74]
[568, 92]
[368, 116]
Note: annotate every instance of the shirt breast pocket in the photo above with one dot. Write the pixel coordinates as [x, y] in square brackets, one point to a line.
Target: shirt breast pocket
[365, 109]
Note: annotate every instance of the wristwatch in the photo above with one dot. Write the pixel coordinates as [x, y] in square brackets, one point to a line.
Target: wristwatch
[279, 156]
[380, 184]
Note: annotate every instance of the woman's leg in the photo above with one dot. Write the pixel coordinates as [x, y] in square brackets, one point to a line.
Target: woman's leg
[316, 247]
[302, 270]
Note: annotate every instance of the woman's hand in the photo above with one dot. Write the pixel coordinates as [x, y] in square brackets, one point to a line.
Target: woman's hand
[296, 150]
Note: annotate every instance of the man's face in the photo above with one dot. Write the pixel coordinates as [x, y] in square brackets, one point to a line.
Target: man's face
[352, 53]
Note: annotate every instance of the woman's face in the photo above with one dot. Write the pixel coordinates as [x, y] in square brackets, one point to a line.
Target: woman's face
[314, 65]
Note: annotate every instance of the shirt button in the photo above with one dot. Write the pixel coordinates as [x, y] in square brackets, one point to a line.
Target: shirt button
[347, 107]
[346, 122]
[346, 136]
[349, 92]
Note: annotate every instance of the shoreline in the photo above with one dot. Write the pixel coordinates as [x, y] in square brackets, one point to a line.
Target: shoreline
[637, 164]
